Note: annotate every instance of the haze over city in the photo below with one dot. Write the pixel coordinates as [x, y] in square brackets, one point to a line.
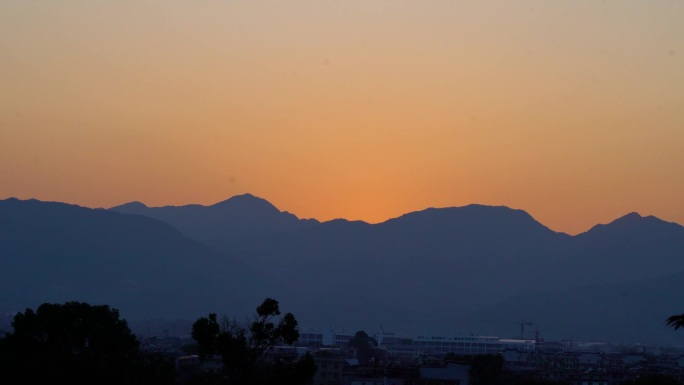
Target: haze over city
[570, 110]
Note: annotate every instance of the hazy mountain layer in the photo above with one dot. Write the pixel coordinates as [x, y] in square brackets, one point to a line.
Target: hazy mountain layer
[54, 252]
[618, 312]
[222, 222]
[436, 270]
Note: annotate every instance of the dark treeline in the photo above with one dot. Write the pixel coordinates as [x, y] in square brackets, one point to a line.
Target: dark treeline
[78, 343]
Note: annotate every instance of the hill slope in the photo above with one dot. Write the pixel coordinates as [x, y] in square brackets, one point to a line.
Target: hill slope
[222, 222]
[54, 252]
[431, 270]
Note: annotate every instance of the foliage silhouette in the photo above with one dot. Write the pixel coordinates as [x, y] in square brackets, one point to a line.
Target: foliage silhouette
[364, 345]
[77, 343]
[248, 354]
[675, 321]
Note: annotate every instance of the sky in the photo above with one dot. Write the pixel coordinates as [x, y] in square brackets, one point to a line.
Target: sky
[570, 110]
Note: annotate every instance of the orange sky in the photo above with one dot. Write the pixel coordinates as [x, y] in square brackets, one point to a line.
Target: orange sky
[570, 110]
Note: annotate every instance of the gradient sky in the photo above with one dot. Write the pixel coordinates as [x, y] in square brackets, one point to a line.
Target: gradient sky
[570, 110]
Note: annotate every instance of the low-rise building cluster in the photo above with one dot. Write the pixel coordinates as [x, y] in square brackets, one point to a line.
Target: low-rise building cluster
[447, 360]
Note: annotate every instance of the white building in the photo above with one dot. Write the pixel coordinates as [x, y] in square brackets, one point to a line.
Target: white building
[470, 344]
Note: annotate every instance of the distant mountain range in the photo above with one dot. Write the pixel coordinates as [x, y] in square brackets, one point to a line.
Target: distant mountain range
[54, 252]
[237, 217]
[476, 268]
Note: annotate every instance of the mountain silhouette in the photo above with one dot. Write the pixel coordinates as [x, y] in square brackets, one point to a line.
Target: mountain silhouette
[633, 225]
[222, 222]
[454, 261]
[629, 248]
[429, 270]
[55, 252]
[417, 265]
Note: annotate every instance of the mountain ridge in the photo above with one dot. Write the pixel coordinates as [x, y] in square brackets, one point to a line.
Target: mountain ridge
[223, 221]
[248, 197]
[629, 221]
[52, 251]
[423, 270]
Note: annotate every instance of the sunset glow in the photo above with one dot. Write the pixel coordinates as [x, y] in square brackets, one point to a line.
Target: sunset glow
[570, 110]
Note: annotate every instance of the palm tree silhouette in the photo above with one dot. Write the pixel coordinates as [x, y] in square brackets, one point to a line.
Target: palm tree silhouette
[675, 321]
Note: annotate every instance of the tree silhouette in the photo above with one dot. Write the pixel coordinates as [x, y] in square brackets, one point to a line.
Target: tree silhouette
[675, 321]
[247, 353]
[77, 343]
[364, 345]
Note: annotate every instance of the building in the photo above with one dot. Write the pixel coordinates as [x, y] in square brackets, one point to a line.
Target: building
[470, 344]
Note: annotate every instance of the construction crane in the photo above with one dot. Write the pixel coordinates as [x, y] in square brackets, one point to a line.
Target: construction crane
[522, 328]
[522, 324]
